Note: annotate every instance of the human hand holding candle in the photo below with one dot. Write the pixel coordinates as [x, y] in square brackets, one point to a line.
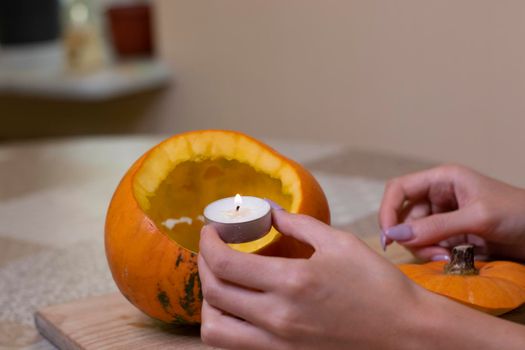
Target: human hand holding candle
[239, 219]
[344, 296]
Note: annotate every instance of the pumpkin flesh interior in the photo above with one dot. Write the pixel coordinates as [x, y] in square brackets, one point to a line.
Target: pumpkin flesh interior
[180, 188]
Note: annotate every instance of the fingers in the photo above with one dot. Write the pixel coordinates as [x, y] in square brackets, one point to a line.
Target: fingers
[431, 253]
[223, 331]
[302, 227]
[432, 229]
[481, 249]
[414, 211]
[412, 187]
[248, 270]
[244, 303]
[427, 192]
[441, 251]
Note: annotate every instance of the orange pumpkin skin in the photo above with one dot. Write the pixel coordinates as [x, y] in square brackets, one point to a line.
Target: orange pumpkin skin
[159, 276]
[498, 288]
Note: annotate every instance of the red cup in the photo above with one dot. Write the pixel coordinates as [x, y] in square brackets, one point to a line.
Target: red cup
[130, 27]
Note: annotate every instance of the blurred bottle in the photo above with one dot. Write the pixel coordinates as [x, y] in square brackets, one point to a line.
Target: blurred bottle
[83, 42]
[130, 23]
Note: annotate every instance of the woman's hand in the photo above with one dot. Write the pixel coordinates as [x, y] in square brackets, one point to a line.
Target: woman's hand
[343, 295]
[432, 210]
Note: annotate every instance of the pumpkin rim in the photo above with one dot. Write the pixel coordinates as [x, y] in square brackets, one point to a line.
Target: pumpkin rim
[287, 169]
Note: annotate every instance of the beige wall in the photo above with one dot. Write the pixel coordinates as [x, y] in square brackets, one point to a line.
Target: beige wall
[443, 80]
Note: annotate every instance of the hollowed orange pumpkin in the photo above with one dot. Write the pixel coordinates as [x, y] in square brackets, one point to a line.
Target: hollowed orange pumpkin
[493, 287]
[154, 265]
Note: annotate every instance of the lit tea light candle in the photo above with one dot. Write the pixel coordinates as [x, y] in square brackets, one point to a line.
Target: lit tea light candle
[239, 219]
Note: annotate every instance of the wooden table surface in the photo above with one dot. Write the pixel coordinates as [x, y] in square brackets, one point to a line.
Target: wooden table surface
[54, 195]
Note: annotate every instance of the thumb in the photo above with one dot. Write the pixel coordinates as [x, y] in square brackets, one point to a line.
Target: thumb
[302, 227]
[432, 229]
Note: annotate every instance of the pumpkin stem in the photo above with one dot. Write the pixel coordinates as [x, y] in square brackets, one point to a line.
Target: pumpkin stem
[462, 261]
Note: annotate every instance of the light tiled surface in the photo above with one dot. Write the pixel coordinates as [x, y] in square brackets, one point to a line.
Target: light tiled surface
[54, 195]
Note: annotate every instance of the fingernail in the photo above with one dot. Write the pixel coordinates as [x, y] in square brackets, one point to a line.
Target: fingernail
[440, 257]
[401, 232]
[204, 229]
[273, 205]
[383, 240]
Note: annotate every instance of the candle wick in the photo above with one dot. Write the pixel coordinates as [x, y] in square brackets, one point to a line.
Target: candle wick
[238, 207]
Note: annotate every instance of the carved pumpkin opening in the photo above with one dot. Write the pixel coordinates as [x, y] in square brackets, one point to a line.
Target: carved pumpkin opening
[181, 176]
[178, 203]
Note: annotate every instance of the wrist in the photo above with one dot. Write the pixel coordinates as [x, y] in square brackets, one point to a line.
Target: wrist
[440, 323]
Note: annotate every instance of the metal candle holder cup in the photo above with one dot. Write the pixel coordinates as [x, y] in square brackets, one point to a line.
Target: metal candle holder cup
[234, 230]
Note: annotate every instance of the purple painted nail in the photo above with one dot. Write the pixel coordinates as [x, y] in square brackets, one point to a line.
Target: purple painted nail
[401, 232]
[383, 240]
[273, 205]
[440, 257]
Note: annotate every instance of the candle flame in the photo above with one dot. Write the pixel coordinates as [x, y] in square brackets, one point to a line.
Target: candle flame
[237, 200]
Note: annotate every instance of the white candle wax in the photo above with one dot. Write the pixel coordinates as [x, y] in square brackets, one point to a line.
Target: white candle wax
[239, 219]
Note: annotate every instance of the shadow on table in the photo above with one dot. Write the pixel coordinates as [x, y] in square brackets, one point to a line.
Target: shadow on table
[517, 315]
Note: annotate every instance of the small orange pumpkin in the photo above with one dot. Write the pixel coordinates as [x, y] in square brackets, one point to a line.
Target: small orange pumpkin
[155, 264]
[493, 287]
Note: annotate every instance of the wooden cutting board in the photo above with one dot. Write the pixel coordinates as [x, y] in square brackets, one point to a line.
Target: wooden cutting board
[110, 322]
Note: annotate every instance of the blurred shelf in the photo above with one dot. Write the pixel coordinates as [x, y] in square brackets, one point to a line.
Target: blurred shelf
[115, 81]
